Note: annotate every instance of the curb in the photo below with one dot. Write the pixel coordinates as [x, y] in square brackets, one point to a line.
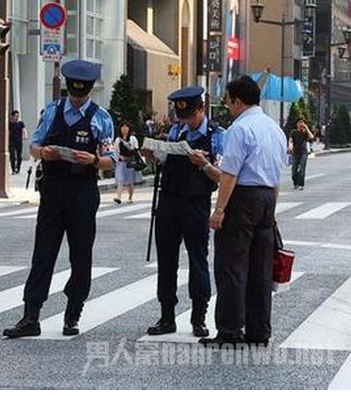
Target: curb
[331, 152]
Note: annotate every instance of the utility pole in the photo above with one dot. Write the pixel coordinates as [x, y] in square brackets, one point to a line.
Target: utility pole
[4, 101]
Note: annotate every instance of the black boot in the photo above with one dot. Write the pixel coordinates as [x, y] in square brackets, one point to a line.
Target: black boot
[198, 318]
[72, 315]
[166, 324]
[28, 325]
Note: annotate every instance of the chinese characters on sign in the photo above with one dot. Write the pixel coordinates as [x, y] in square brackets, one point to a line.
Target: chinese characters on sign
[215, 16]
[215, 36]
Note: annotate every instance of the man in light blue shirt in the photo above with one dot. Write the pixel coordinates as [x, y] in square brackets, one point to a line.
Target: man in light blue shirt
[73, 140]
[253, 157]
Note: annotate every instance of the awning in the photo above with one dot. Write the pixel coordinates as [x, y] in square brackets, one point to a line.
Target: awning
[141, 40]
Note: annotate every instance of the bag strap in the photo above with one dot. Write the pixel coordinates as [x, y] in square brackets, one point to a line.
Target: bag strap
[278, 241]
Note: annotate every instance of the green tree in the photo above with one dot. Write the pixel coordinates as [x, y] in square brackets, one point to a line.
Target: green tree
[294, 114]
[125, 104]
[340, 128]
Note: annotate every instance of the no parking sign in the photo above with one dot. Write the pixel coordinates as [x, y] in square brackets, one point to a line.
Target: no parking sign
[53, 17]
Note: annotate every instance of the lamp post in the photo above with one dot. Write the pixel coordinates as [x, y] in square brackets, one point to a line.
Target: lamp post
[257, 12]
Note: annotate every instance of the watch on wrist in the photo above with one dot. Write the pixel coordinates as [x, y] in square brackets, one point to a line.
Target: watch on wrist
[206, 167]
[219, 210]
[96, 161]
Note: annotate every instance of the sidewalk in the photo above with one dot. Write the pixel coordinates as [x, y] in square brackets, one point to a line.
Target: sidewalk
[19, 194]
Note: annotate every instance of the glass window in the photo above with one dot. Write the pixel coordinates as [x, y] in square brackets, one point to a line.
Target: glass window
[90, 25]
[72, 24]
[98, 7]
[98, 27]
[90, 48]
[90, 6]
[72, 47]
[98, 49]
[71, 4]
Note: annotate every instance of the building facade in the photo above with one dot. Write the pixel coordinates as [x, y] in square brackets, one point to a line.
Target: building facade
[95, 31]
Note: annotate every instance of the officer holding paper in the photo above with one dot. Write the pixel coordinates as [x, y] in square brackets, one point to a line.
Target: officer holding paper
[184, 209]
[73, 140]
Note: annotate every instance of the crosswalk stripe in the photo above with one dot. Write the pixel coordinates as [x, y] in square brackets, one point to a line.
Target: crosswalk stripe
[144, 215]
[342, 379]
[108, 306]
[19, 212]
[12, 298]
[104, 213]
[323, 211]
[329, 327]
[315, 176]
[281, 207]
[184, 334]
[125, 209]
[285, 206]
[6, 270]
[151, 265]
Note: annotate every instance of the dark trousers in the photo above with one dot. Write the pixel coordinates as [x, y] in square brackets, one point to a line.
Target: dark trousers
[298, 169]
[15, 149]
[181, 218]
[243, 263]
[65, 206]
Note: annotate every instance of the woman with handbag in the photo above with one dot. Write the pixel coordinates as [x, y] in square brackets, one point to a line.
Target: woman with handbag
[126, 147]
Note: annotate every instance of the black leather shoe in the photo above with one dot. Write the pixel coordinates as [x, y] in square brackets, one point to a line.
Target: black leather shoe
[72, 315]
[223, 339]
[24, 328]
[167, 322]
[198, 319]
[162, 327]
[28, 326]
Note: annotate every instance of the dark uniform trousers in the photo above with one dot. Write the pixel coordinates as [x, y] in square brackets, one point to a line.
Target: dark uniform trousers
[244, 263]
[182, 217]
[66, 206]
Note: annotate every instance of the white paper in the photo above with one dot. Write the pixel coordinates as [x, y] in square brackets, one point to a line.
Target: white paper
[66, 153]
[160, 147]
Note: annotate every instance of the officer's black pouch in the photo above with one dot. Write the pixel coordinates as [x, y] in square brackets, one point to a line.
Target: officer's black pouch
[39, 177]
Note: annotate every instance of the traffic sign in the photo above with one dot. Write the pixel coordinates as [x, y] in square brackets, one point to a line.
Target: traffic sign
[53, 15]
[52, 44]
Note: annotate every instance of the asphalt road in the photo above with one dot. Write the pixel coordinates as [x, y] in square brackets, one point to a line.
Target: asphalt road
[311, 321]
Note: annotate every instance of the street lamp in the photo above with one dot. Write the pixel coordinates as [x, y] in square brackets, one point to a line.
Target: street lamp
[257, 13]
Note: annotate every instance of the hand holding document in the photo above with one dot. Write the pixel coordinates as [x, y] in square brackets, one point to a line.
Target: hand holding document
[66, 154]
[160, 147]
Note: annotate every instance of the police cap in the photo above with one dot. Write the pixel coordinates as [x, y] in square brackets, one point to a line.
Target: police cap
[81, 70]
[186, 100]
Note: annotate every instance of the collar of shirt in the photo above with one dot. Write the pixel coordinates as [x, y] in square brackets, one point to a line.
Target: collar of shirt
[70, 109]
[248, 112]
[194, 134]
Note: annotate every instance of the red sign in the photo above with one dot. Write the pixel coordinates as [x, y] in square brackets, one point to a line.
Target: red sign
[53, 15]
[234, 48]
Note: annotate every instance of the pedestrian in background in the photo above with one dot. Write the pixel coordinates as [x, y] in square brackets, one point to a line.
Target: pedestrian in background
[254, 152]
[69, 195]
[18, 133]
[126, 177]
[299, 143]
[184, 209]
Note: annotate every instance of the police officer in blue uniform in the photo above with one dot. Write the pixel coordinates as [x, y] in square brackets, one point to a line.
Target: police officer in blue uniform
[184, 209]
[69, 195]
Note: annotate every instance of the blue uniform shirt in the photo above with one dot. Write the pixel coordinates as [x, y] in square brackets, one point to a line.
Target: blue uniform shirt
[254, 149]
[217, 136]
[101, 125]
